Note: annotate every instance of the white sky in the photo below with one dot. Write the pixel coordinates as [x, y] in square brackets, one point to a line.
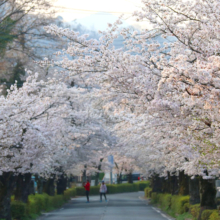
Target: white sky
[92, 13]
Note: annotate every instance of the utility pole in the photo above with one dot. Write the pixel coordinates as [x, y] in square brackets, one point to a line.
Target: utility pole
[111, 161]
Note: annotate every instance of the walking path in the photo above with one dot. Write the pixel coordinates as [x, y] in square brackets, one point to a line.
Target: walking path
[124, 206]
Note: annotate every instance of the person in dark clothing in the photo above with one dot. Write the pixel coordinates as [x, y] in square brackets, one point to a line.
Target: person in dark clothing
[87, 188]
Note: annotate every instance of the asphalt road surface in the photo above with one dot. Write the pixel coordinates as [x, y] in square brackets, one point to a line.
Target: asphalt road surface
[124, 206]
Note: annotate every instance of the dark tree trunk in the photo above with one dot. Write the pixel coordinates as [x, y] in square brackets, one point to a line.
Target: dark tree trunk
[194, 191]
[166, 184]
[7, 183]
[23, 185]
[40, 183]
[61, 184]
[130, 179]
[156, 184]
[183, 184]
[207, 193]
[169, 184]
[119, 178]
[49, 187]
[84, 175]
[174, 185]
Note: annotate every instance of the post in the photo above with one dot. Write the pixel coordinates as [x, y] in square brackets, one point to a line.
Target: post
[111, 175]
[111, 161]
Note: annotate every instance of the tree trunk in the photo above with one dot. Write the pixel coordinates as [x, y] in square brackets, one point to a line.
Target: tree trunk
[194, 191]
[23, 185]
[207, 193]
[156, 184]
[84, 175]
[7, 183]
[174, 185]
[61, 184]
[166, 184]
[49, 187]
[183, 184]
[130, 179]
[119, 178]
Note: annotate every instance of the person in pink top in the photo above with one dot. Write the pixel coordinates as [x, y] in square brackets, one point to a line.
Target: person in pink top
[103, 190]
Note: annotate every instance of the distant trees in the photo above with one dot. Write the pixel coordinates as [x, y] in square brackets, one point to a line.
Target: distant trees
[21, 20]
[22, 38]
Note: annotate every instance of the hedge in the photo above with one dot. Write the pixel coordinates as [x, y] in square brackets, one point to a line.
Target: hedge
[194, 210]
[179, 206]
[178, 202]
[142, 185]
[115, 188]
[38, 203]
[214, 216]
[147, 192]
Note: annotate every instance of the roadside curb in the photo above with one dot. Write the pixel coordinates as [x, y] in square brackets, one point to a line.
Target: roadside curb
[158, 210]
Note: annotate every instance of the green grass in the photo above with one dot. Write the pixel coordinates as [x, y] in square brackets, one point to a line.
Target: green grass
[184, 216]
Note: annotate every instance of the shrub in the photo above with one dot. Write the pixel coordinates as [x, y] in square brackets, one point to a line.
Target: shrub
[206, 214]
[154, 197]
[117, 188]
[38, 203]
[214, 216]
[142, 185]
[80, 191]
[177, 203]
[94, 190]
[71, 192]
[184, 216]
[18, 209]
[147, 192]
[194, 210]
[165, 201]
[186, 207]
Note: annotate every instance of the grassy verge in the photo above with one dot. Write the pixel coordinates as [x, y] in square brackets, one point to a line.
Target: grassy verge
[179, 207]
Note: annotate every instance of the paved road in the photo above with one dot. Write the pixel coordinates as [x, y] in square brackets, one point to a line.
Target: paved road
[125, 206]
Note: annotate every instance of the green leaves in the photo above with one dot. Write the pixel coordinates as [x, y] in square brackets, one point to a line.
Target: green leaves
[6, 36]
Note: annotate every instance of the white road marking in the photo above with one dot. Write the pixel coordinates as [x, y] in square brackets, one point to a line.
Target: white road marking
[157, 210]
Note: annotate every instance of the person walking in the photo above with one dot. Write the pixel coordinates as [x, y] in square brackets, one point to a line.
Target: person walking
[103, 190]
[87, 188]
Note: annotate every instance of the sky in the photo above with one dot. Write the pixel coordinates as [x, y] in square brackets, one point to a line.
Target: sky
[95, 14]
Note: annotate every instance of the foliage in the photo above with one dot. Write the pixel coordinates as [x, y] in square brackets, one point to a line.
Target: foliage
[178, 202]
[214, 216]
[184, 216]
[114, 188]
[142, 185]
[165, 201]
[206, 214]
[147, 192]
[101, 175]
[174, 205]
[6, 27]
[154, 197]
[18, 209]
[38, 203]
[194, 210]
